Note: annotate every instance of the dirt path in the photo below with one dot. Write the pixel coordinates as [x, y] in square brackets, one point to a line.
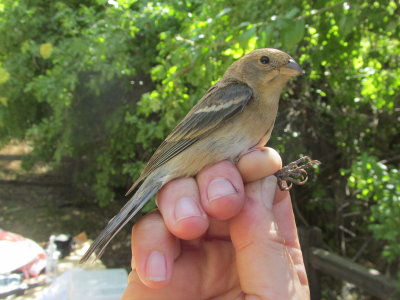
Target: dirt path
[39, 203]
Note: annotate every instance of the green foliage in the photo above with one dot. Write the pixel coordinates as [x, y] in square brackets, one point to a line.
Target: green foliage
[375, 181]
[103, 82]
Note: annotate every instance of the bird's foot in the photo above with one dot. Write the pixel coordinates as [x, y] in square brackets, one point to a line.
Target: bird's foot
[294, 173]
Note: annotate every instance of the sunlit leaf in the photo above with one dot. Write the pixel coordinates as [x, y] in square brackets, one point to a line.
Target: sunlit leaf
[4, 101]
[4, 75]
[45, 50]
[224, 12]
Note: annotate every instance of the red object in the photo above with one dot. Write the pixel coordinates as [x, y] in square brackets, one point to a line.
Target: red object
[19, 253]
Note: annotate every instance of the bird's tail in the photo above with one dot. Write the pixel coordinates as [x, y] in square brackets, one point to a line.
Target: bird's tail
[148, 188]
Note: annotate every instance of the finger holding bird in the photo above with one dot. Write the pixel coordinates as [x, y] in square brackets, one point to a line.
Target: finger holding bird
[235, 116]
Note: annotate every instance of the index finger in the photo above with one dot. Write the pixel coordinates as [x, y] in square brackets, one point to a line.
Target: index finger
[259, 163]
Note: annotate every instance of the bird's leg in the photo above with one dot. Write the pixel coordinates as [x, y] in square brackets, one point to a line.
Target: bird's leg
[295, 172]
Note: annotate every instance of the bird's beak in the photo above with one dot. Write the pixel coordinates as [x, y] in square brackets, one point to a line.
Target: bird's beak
[291, 69]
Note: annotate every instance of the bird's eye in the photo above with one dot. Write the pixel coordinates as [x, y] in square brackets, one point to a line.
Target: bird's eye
[264, 60]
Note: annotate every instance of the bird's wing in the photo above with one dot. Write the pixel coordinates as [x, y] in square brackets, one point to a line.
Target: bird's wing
[220, 103]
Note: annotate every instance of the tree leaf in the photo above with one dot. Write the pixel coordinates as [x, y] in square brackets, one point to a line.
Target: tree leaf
[223, 12]
[293, 33]
[4, 75]
[45, 50]
[346, 25]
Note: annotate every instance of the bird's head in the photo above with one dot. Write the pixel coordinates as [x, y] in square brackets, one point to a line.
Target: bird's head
[263, 68]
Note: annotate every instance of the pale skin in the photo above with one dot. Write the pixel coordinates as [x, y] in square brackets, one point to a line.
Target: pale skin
[228, 234]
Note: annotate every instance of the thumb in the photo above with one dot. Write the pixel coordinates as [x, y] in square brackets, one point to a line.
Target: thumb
[264, 265]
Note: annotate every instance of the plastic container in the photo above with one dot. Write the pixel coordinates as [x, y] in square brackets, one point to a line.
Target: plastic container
[106, 284]
[51, 260]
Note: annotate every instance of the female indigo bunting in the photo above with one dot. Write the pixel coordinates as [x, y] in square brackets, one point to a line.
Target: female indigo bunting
[235, 116]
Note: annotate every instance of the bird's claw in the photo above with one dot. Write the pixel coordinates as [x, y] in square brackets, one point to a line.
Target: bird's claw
[294, 173]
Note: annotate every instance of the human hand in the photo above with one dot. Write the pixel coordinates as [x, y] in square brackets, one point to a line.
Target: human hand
[229, 233]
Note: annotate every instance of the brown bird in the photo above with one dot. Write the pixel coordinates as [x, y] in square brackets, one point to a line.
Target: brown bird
[235, 115]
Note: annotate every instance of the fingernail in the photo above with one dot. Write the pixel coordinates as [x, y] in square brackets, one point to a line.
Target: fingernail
[156, 268]
[220, 187]
[186, 207]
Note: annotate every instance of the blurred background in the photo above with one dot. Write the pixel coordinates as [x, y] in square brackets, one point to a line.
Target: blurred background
[89, 89]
